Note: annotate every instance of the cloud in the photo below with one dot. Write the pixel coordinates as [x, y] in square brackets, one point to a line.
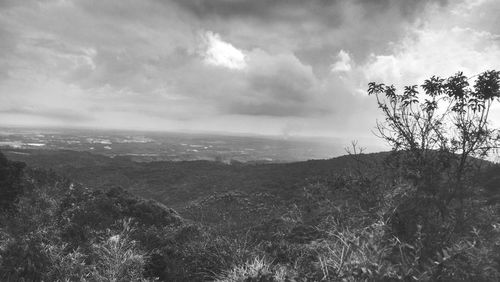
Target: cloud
[220, 53]
[312, 29]
[276, 85]
[259, 65]
[447, 42]
[286, 10]
[270, 85]
[436, 51]
[55, 114]
[343, 62]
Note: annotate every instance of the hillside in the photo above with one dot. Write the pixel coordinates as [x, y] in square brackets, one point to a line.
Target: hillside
[177, 183]
[69, 216]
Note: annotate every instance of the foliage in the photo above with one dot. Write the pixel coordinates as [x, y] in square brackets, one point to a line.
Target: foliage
[437, 138]
[10, 182]
[118, 258]
[439, 130]
[257, 269]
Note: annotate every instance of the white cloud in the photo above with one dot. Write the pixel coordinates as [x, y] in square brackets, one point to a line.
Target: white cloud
[220, 53]
[436, 52]
[343, 63]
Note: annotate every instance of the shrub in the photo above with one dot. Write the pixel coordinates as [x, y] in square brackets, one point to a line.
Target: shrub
[118, 258]
[11, 182]
[257, 270]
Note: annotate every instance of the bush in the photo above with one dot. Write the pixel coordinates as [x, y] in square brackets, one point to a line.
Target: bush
[257, 270]
[11, 182]
[118, 258]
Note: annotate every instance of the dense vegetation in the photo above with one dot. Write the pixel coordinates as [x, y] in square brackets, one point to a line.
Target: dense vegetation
[427, 211]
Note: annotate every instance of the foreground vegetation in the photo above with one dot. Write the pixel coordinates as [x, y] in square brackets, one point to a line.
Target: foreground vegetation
[427, 211]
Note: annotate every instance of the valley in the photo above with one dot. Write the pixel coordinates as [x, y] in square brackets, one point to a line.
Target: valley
[171, 146]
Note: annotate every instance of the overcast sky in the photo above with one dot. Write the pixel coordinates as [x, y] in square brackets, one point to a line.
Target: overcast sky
[257, 66]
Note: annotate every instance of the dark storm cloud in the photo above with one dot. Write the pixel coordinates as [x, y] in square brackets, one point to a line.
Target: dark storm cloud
[408, 8]
[313, 30]
[279, 86]
[288, 10]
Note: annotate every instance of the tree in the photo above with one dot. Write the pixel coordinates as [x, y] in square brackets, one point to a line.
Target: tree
[11, 185]
[440, 131]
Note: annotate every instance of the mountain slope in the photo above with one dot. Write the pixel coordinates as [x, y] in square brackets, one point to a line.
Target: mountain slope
[177, 183]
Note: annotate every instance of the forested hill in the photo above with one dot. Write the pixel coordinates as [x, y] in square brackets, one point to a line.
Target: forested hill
[177, 183]
[65, 218]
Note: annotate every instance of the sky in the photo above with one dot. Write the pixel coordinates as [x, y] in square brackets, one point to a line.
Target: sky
[278, 67]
